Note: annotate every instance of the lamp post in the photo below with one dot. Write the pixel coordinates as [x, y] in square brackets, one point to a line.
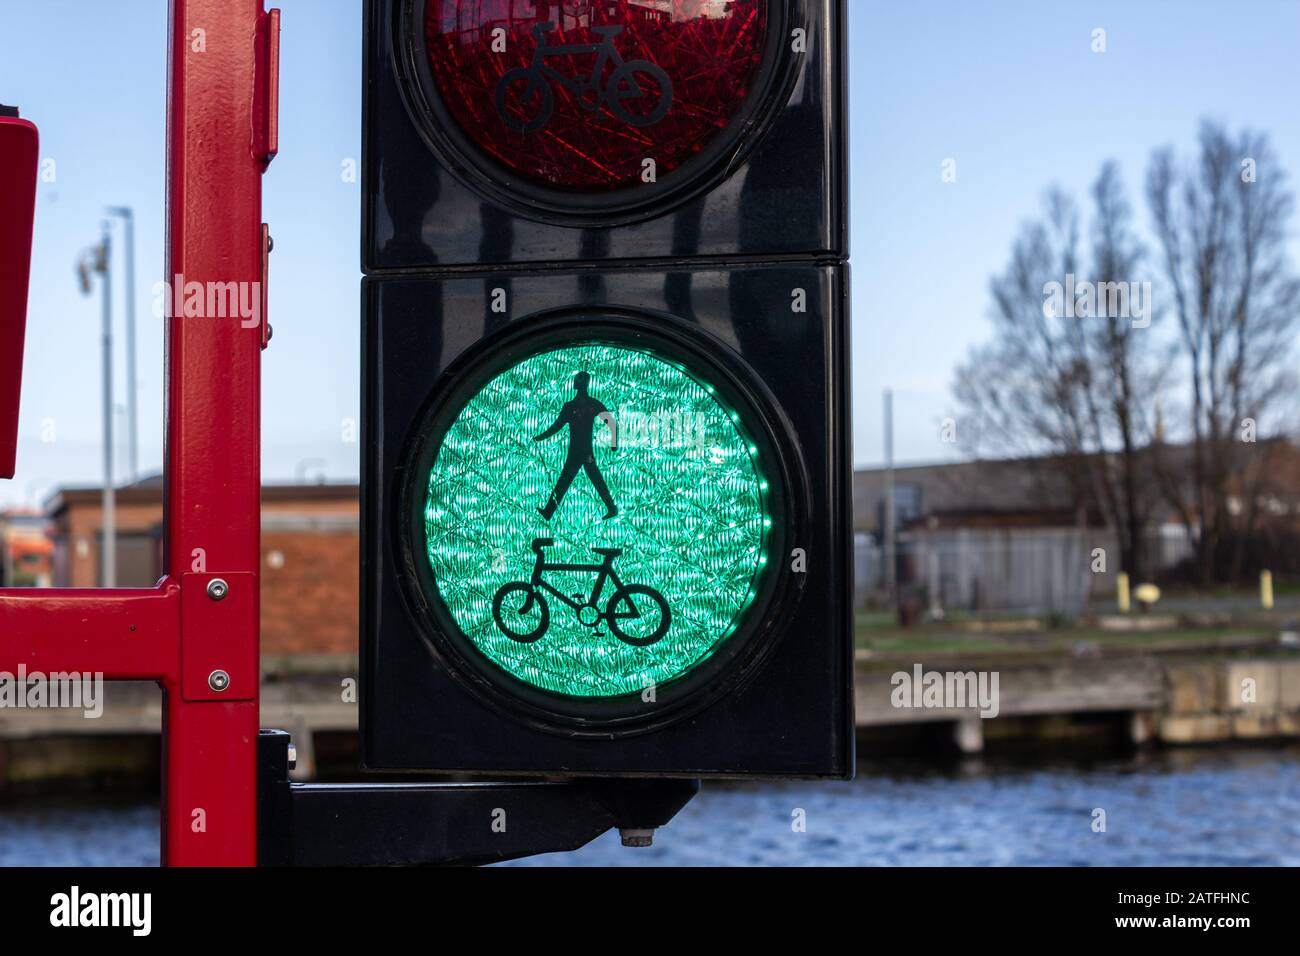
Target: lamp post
[97, 260]
[891, 540]
[132, 418]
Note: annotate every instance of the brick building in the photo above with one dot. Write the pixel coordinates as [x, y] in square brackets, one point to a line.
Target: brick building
[310, 554]
[1019, 534]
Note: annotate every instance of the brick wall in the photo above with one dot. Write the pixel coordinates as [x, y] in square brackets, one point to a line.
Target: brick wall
[309, 591]
[309, 569]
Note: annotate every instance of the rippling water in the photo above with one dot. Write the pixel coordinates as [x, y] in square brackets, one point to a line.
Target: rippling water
[1201, 807]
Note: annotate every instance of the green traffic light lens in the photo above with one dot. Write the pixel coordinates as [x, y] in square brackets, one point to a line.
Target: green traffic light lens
[596, 520]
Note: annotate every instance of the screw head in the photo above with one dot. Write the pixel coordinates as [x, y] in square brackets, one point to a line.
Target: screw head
[217, 589]
[218, 680]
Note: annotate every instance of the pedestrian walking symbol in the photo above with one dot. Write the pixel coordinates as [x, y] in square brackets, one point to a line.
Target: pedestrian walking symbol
[580, 415]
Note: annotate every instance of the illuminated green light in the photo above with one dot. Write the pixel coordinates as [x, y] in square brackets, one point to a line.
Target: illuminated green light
[675, 502]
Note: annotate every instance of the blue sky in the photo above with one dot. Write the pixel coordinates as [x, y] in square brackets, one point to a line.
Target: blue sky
[1010, 90]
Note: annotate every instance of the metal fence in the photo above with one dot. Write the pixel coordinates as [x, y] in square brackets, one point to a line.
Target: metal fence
[1033, 570]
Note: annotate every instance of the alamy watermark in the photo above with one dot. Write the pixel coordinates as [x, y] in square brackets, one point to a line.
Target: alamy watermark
[209, 300]
[73, 909]
[1091, 300]
[69, 690]
[953, 690]
[678, 430]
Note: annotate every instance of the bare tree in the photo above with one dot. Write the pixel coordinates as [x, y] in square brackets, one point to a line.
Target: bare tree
[1220, 222]
[1073, 385]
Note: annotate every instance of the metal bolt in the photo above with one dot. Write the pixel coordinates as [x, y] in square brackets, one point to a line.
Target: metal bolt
[218, 680]
[633, 837]
[293, 756]
[217, 589]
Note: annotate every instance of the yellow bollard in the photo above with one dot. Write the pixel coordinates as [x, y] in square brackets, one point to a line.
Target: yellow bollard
[1266, 589]
[1121, 588]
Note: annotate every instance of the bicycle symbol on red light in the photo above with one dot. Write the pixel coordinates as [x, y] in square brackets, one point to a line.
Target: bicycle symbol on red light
[631, 84]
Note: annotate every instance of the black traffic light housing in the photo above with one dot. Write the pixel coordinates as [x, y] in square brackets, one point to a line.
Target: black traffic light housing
[738, 267]
[774, 188]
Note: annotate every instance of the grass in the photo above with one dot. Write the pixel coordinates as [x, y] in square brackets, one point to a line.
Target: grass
[879, 633]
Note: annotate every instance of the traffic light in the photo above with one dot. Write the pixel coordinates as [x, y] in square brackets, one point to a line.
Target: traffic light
[18, 140]
[605, 492]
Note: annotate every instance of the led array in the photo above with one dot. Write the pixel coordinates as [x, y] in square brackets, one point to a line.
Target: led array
[692, 520]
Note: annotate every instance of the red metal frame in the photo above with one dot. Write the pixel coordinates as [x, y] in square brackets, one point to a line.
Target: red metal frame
[18, 151]
[223, 78]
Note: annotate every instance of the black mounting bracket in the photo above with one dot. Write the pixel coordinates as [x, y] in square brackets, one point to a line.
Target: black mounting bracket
[374, 824]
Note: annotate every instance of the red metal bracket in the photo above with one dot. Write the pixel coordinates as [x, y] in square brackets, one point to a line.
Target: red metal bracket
[267, 245]
[122, 634]
[213, 607]
[267, 99]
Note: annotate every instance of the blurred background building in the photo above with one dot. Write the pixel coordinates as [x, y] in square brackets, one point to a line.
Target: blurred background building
[1017, 535]
[309, 556]
[28, 550]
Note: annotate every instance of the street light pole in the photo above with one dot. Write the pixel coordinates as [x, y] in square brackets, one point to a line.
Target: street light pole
[132, 418]
[109, 559]
[891, 566]
[97, 259]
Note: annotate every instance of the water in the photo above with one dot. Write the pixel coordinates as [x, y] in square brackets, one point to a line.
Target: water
[1194, 808]
[72, 833]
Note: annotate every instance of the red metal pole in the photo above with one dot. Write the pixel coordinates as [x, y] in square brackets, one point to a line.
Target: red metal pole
[220, 137]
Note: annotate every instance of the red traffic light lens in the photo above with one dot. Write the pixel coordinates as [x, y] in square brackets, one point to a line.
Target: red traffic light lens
[592, 96]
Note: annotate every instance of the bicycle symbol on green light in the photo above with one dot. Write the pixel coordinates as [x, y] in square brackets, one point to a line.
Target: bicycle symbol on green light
[635, 614]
